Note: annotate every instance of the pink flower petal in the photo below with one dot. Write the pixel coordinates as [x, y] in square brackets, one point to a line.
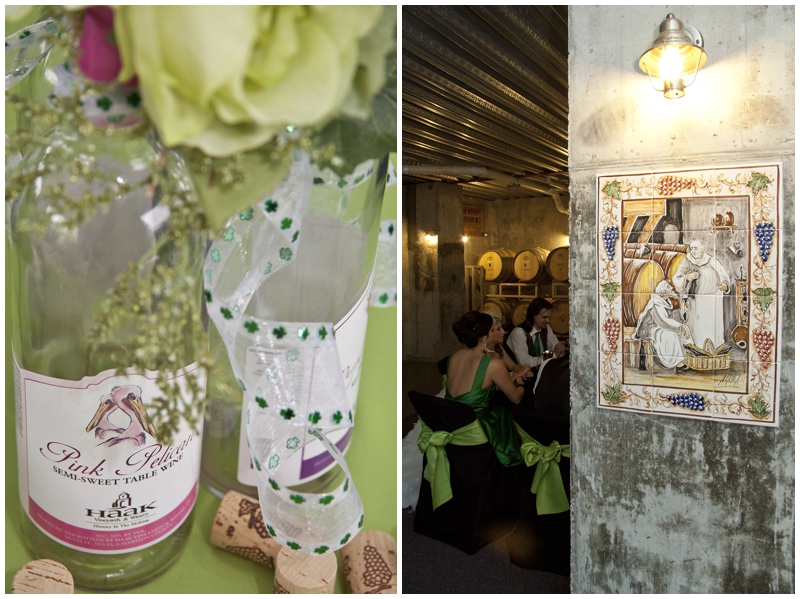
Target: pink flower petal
[99, 58]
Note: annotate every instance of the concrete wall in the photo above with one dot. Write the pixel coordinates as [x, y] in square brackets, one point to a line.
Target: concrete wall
[433, 274]
[519, 224]
[663, 505]
[475, 246]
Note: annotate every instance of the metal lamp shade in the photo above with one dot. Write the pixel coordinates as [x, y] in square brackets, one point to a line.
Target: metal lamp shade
[676, 52]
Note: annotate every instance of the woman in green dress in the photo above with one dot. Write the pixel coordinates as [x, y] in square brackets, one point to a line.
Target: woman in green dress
[473, 376]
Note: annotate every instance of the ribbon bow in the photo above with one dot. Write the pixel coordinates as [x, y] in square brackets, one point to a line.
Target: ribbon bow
[432, 444]
[551, 498]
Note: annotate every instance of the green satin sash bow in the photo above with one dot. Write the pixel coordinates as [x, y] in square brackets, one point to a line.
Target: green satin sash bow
[551, 498]
[432, 444]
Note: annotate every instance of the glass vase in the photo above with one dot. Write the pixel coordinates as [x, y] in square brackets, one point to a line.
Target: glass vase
[108, 472]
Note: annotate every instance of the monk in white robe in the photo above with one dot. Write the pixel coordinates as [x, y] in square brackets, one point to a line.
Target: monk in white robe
[702, 281]
[667, 335]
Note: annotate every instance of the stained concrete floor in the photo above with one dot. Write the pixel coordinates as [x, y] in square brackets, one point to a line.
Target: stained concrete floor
[430, 566]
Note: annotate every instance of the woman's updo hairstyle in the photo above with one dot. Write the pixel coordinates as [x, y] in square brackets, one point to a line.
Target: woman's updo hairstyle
[472, 326]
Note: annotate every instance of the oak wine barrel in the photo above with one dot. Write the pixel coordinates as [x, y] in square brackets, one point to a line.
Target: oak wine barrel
[669, 262]
[530, 265]
[519, 312]
[639, 280]
[558, 264]
[498, 265]
[499, 307]
[559, 319]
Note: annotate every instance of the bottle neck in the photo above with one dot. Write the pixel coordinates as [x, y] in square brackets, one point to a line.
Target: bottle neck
[105, 105]
[40, 68]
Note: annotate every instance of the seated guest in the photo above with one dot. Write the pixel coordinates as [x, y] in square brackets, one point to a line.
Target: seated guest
[494, 349]
[473, 376]
[494, 346]
[534, 336]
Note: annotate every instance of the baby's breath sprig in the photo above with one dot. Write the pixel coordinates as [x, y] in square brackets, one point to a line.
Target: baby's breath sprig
[68, 204]
[227, 173]
[151, 322]
[152, 319]
[67, 162]
[234, 183]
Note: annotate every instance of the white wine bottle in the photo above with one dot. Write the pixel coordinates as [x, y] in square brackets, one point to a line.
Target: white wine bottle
[328, 281]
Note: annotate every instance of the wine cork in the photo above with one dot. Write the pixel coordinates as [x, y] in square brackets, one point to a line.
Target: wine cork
[43, 576]
[369, 562]
[297, 573]
[239, 528]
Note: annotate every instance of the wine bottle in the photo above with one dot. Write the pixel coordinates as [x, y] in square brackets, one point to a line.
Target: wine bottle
[328, 281]
[105, 299]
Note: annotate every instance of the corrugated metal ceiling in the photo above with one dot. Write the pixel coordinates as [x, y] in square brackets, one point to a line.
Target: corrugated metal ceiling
[485, 87]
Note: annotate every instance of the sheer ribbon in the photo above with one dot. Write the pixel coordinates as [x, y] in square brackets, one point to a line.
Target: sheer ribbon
[26, 48]
[384, 284]
[298, 394]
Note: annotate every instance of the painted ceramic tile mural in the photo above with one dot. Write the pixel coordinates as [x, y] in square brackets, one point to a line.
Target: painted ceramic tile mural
[690, 293]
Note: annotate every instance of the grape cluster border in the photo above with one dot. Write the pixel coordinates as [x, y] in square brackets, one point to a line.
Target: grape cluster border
[762, 185]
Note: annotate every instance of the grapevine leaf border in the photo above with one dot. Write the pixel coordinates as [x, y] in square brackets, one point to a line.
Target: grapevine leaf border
[754, 398]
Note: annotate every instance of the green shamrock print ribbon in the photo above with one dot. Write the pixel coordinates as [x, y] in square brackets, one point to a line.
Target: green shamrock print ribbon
[297, 395]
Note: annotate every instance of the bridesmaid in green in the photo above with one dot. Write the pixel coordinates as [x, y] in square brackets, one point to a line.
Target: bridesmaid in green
[473, 376]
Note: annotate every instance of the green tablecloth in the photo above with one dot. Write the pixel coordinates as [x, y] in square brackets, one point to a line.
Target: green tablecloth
[203, 568]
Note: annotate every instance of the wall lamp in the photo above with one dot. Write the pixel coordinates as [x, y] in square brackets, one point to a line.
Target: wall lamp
[431, 238]
[676, 53]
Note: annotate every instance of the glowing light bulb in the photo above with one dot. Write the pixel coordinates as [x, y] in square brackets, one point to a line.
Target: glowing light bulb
[671, 65]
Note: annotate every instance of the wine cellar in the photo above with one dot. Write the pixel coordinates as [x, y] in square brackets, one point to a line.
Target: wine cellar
[503, 282]
[678, 212]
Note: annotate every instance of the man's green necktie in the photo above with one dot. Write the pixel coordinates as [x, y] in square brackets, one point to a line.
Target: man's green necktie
[537, 347]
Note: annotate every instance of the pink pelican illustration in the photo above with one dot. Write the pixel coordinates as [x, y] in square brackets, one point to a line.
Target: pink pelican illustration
[104, 427]
[128, 399]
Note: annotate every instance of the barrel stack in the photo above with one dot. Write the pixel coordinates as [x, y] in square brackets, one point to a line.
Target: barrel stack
[514, 278]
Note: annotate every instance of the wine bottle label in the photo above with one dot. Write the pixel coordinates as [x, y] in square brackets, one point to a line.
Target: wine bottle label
[313, 459]
[92, 475]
